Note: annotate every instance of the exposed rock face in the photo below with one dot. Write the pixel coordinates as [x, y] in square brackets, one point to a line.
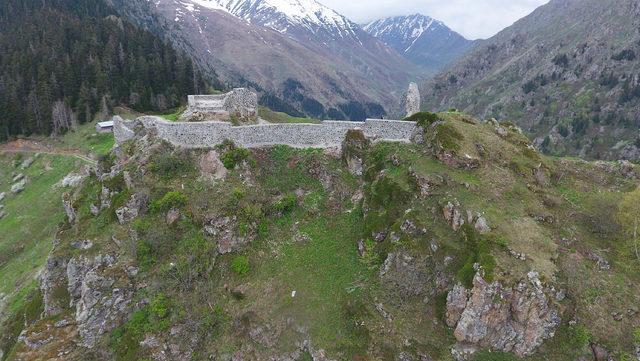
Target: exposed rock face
[453, 215]
[2, 196]
[211, 166]
[136, 205]
[52, 281]
[412, 100]
[514, 320]
[223, 229]
[353, 148]
[101, 294]
[67, 203]
[405, 275]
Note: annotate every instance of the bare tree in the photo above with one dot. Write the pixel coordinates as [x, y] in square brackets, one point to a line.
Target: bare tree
[62, 117]
[629, 217]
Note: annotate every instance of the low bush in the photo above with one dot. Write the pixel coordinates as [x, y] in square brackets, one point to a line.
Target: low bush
[286, 204]
[478, 250]
[234, 156]
[240, 265]
[424, 119]
[169, 165]
[169, 201]
[154, 317]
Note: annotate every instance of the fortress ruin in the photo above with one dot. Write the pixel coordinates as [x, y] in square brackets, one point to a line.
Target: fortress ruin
[326, 134]
[239, 106]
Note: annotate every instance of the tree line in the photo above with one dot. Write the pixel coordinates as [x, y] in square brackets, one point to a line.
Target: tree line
[64, 61]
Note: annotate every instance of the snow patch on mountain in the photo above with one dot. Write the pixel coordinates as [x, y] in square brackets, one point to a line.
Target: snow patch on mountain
[281, 15]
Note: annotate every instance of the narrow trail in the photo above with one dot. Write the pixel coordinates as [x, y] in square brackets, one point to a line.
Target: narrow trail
[33, 146]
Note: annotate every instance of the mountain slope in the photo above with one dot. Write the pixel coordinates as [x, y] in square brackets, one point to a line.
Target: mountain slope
[422, 40]
[300, 51]
[567, 73]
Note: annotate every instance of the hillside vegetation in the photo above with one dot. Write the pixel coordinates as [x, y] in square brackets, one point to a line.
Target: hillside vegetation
[64, 61]
[291, 254]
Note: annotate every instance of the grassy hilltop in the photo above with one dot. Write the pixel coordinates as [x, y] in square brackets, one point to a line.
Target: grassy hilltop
[291, 253]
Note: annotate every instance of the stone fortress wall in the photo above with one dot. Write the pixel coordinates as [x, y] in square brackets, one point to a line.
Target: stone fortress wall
[240, 102]
[326, 134]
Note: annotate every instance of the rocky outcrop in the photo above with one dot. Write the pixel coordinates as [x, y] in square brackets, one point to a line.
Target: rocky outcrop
[453, 214]
[53, 284]
[502, 318]
[101, 293]
[353, 147]
[136, 205]
[411, 100]
[224, 231]
[19, 185]
[67, 203]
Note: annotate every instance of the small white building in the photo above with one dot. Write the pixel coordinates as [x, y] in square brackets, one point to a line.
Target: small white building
[105, 127]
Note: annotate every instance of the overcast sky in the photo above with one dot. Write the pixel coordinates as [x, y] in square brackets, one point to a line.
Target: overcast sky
[472, 18]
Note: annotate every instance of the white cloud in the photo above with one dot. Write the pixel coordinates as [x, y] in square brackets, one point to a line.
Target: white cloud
[472, 18]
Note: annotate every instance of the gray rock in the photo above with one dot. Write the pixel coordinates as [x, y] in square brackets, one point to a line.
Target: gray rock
[172, 216]
[3, 195]
[514, 320]
[463, 351]
[52, 280]
[72, 180]
[19, 187]
[224, 231]
[101, 303]
[136, 205]
[456, 304]
[18, 177]
[481, 225]
[27, 163]
[453, 215]
[67, 203]
[2, 213]
[211, 165]
[83, 245]
[412, 100]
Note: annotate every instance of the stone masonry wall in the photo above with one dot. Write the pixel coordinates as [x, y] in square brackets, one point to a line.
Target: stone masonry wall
[327, 134]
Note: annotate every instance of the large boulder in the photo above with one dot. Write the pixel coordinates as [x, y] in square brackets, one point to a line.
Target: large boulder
[502, 318]
[19, 186]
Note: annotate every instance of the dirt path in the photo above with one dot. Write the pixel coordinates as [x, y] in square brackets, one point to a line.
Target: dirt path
[36, 146]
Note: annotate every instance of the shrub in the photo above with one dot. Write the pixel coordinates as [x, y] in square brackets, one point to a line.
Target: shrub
[154, 317]
[169, 165]
[240, 265]
[145, 256]
[286, 204]
[478, 249]
[424, 119]
[169, 201]
[234, 156]
[561, 60]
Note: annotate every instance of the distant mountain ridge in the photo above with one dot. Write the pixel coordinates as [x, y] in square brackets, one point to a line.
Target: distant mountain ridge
[569, 74]
[421, 39]
[300, 55]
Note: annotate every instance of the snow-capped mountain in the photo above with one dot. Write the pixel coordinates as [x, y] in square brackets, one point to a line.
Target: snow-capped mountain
[420, 39]
[300, 50]
[286, 16]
